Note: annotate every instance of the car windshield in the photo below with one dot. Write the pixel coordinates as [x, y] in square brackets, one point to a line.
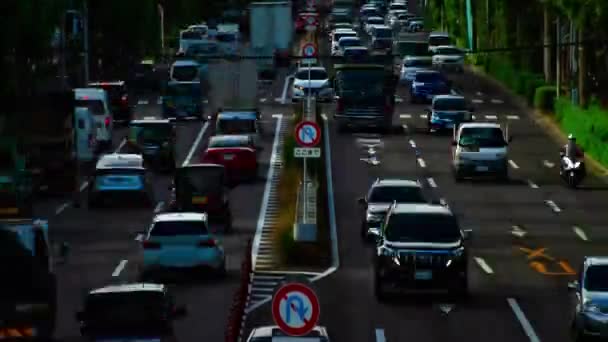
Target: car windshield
[448, 51]
[450, 104]
[150, 132]
[418, 63]
[596, 278]
[238, 126]
[488, 137]
[402, 16]
[368, 12]
[383, 33]
[401, 194]
[197, 180]
[398, 7]
[180, 89]
[196, 35]
[428, 77]
[225, 37]
[124, 308]
[185, 73]
[176, 228]
[421, 227]
[315, 74]
[370, 81]
[439, 40]
[375, 21]
[349, 42]
[94, 106]
[229, 142]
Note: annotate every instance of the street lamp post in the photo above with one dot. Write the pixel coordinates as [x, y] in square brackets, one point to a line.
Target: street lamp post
[161, 13]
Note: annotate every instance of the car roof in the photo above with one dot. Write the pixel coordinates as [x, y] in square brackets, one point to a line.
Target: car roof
[237, 116]
[137, 287]
[375, 18]
[349, 38]
[421, 208]
[88, 91]
[395, 182]
[356, 48]
[344, 30]
[438, 34]
[479, 125]
[266, 331]
[182, 216]
[448, 97]
[229, 137]
[120, 161]
[185, 62]
[381, 27]
[596, 260]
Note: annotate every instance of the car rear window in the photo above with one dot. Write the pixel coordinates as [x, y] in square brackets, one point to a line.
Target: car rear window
[420, 227]
[337, 36]
[192, 35]
[185, 73]
[349, 42]
[136, 306]
[176, 228]
[229, 126]
[375, 21]
[450, 104]
[449, 51]
[428, 77]
[439, 40]
[401, 194]
[228, 142]
[95, 106]
[596, 278]
[119, 172]
[225, 37]
[418, 63]
[150, 132]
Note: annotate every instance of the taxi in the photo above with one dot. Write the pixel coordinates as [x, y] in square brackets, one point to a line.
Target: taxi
[155, 140]
[120, 176]
[239, 123]
[237, 153]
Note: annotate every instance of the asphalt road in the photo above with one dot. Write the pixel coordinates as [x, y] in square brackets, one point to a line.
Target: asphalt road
[102, 246]
[530, 234]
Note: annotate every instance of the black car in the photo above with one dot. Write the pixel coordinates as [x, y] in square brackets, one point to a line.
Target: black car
[144, 77]
[202, 188]
[155, 140]
[420, 247]
[119, 99]
[136, 311]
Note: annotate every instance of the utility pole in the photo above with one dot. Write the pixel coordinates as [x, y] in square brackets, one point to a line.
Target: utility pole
[558, 41]
[85, 24]
[161, 13]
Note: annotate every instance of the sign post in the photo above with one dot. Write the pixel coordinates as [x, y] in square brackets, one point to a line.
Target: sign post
[295, 309]
[308, 136]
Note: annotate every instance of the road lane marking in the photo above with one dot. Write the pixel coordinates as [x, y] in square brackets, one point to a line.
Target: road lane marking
[518, 231]
[479, 93]
[159, 101]
[453, 92]
[477, 101]
[491, 117]
[473, 117]
[142, 102]
[497, 101]
[61, 208]
[521, 317]
[263, 99]
[580, 233]
[412, 143]
[484, 265]
[84, 186]
[405, 116]
[548, 164]
[423, 116]
[404, 126]
[512, 117]
[159, 207]
[553, 206]
[421, 162]
[431, 182]
[398, 100]
[121, 266]
[380, 335]
[196, 143]
[513, 165]
[276, 116]
[532, 184]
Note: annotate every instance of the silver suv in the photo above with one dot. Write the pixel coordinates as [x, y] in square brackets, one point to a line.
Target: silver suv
[590, 304]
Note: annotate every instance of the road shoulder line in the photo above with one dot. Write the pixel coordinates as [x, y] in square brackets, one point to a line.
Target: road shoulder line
[523, 321]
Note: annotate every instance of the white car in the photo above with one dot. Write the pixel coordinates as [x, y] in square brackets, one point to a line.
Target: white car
[448, 58]
[415, 24]
[373, 21]
[274, 333]
[437, 39]
[340, 33]
[318, 86]
[412, 64]
[346, 42]
[398, 5]
[181, 241]
[98, 103]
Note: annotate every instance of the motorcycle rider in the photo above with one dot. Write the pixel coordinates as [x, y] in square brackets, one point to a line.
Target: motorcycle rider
[571, 151]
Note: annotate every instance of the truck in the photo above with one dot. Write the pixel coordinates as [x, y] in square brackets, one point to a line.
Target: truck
[29, 294]
[40, 133]
[271, 32]
[365, 95]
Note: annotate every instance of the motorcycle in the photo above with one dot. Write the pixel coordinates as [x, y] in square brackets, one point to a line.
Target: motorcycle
[572, 171]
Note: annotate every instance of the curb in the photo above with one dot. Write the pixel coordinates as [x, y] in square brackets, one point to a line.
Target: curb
[542, 119]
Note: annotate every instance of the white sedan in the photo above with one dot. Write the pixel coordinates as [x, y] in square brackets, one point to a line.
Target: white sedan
[312, 81]
[373, 21]
[448, 57]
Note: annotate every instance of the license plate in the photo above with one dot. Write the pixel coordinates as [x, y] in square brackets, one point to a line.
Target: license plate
[481, 168]
[199, 200]
[228, 156]
[423, 275]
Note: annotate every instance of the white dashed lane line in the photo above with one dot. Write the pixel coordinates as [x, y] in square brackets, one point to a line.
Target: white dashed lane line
[553, 206]
[142, 102]
[491, 117]
[532, 184]
[405, 116]
[518, 231]
[421, 162]
[512, 117]
[159, 207]
[484, 265]
[523, 321]
[497, 101]
[548, 164]
[477, 101]
[580, 233]
[412, 143]
[431, 182]
[61, 208]
[119, 268]
[513, 164]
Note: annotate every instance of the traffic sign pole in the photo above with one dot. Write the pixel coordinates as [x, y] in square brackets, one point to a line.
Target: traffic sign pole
[308, 134]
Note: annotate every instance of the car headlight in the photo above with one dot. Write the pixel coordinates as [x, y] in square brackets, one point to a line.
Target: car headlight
[373, 218]
[591, 308]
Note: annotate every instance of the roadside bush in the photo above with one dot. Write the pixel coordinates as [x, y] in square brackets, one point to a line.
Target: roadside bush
[530, 84]
[544, 98]
[590, 126]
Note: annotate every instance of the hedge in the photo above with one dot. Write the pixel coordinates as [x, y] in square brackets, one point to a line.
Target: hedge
[523, 83]
[544, 98]
[589, 126]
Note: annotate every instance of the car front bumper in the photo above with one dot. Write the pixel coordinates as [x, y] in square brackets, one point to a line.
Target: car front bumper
[481, 167]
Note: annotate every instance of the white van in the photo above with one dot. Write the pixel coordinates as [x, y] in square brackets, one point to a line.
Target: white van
[96, 100]
[86, 137]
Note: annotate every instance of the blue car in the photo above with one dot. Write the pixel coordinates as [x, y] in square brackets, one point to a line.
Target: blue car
[427, 84]
[447, 112]
[121, 177]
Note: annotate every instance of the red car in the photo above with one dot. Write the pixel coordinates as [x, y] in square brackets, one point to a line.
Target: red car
[237, 153]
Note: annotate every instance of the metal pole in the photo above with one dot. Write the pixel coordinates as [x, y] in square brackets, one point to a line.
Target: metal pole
[63, 51]
[558, 75]
[161, 12]
[86, 40]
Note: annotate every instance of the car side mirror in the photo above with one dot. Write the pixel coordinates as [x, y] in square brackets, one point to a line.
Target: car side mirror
[467, 234]
[79, 316]
[573, 285]
[362, 201]
[179, 312]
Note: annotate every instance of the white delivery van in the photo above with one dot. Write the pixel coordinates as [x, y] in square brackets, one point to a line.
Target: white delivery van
[96, 100]
[86, 137]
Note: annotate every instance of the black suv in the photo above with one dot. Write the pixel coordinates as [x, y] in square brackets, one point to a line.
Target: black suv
[118, 97]
[421, 247]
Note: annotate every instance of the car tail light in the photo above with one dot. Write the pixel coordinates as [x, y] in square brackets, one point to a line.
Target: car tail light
[207, 243]
[107, 122]
[339, 105]
[124, 99]
[150, 245]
